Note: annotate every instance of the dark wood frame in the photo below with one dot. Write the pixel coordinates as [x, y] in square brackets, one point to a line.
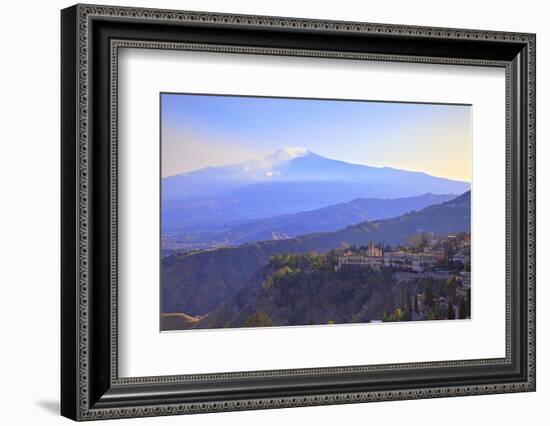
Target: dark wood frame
[90, 386]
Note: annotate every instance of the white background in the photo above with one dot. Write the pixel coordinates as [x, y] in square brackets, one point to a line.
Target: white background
[29, 225]
[146, 352]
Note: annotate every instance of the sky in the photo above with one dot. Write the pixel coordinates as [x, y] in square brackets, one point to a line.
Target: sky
[198, 131]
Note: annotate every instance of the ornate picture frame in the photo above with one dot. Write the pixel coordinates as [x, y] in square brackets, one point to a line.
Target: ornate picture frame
[91, 37]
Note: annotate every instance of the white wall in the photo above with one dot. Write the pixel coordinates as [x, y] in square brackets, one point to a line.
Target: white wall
[29, 225]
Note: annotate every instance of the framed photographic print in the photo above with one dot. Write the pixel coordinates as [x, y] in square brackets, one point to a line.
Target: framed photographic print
[263, 212]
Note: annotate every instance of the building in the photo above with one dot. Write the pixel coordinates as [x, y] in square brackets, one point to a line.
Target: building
[350, 259]
[417, 262]
[420, 300]
[463, 259]
[397, 259]
[423, 261]
[465, 241]
[373, 251]
[375, 258]
[439, 253]
[464, 278]
[372, 257]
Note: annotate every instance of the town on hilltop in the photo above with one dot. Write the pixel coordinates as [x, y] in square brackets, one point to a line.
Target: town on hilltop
[426, 256]
[424, 252]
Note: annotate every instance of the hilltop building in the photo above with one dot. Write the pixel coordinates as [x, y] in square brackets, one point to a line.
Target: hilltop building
[375, 262]
[374, 251]
[372, 256]
[416, 262]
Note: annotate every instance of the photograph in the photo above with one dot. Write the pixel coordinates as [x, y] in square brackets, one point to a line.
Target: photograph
[280, 212]
[264, 208]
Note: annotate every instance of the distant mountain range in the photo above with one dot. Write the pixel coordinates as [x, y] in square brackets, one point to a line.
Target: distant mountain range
[326, 219]
[292, 180]
[196, 283]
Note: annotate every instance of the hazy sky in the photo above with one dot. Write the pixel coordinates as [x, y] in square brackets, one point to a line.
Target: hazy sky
[203, 130]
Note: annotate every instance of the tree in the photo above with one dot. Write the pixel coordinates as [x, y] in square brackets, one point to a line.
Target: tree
[398, 314]
[416, 303]
[468, 303]
[429, 296]
[408, 305]
[451, 311]
[451, 289]
[462, 310]
[402, 298]
[259, 319]
[423, 242]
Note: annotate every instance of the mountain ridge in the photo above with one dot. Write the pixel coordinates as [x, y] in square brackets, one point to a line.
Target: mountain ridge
[326, 219]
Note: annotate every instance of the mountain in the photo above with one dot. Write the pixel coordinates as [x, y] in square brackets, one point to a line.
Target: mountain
[326, 219]
[289, 181]
[198, 282]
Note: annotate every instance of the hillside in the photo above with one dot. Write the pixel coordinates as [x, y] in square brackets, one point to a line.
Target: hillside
[305, 289]
[198, 282]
